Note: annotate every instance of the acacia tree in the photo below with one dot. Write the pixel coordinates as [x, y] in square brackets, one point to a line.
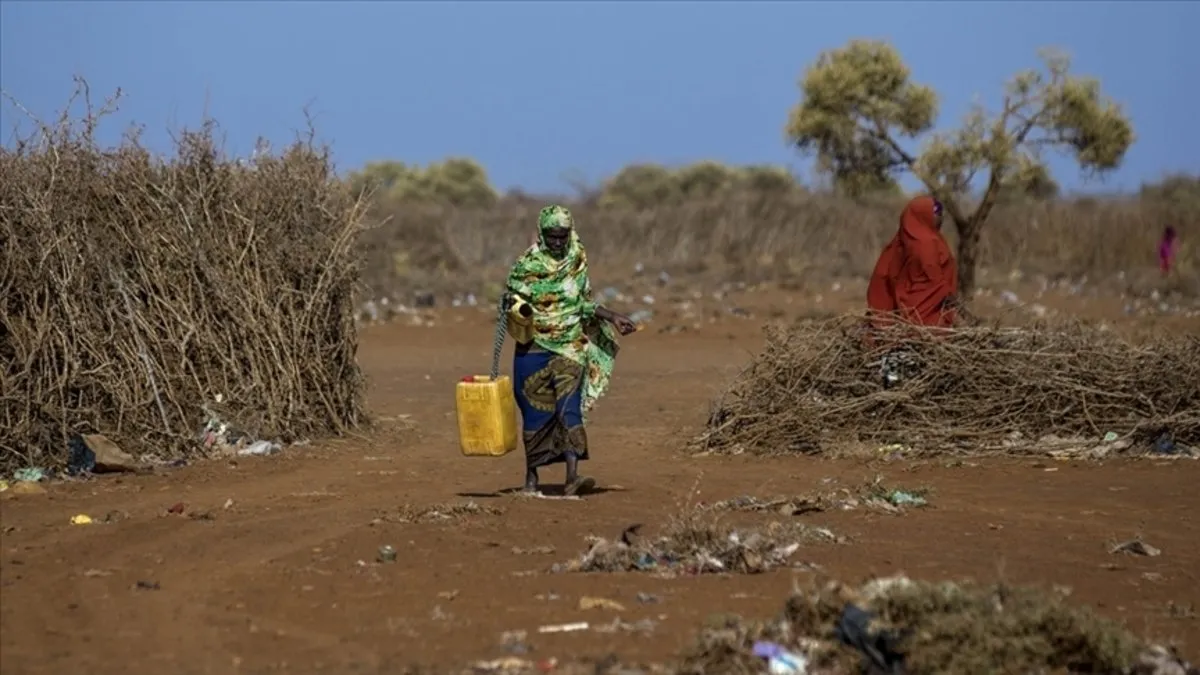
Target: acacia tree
[860, 112]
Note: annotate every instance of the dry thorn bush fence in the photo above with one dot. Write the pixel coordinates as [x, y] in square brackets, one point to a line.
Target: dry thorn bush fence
[977, 389]
[752, 237]
[136, 289]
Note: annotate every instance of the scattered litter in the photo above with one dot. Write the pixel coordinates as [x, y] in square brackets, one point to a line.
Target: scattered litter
[1165, 444]
[3, 485]
[260, 449]
[780, 661]
[786, 506]
[1159, 660]
[81, 459]
[902, 498]
[1110, 437]
[1135, 547]
[81, 519]
[409, 513]
[879, 648]
[387, 554]
[218, 436]
[691, 545]
[510, 664]
[619, 625]
[514, 642]
[897, 366]
[589, 602]
[565, 627]
[101, 455]
[148, 586]
[228, 504]
[176, 508]
[29, 475]
[91, 574]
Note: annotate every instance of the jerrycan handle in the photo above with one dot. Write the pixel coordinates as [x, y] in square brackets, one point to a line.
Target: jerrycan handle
[501, 331]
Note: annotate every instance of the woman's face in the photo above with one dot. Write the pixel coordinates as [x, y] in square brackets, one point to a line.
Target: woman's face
[557, 239]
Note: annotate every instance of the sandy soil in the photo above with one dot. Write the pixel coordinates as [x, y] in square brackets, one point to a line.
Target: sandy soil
[262, 572]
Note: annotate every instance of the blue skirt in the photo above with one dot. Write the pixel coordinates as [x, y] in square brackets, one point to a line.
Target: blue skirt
[549, 392]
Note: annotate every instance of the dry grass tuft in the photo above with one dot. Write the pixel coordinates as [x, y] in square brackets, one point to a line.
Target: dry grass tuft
[976, 390]
[136, 289]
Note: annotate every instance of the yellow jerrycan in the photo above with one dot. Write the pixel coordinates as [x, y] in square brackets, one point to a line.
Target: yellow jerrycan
[487, 410]
[487, 416]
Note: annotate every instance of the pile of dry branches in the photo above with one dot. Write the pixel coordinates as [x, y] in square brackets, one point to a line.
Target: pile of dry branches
[974, 389]
[136, 289]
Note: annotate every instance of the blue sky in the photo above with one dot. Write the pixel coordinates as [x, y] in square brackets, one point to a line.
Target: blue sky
[538, 91]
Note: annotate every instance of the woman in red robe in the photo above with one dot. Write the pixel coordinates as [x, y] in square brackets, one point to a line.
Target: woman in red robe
[915, 278]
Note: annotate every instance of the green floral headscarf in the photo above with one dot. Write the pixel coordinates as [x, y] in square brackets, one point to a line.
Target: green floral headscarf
[560, 292]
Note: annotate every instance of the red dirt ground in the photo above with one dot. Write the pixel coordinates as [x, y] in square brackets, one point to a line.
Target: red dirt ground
[273, 583]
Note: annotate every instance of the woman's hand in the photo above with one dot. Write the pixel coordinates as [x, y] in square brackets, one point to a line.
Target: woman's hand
[622, 323]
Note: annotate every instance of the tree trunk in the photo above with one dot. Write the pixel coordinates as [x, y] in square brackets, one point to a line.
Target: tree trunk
[968, 256]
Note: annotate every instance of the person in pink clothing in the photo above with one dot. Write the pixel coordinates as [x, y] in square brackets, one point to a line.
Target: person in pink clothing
[1166, 250]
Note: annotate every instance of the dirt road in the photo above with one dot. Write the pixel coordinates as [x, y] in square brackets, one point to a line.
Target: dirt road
[262, 572]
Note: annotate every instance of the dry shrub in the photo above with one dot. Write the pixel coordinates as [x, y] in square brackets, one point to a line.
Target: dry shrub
[792, 236]
[938, 627]
[135, 289]
[980, 388]
[743, 238]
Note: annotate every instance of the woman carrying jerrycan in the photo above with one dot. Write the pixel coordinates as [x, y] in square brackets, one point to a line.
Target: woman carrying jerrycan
[565, 361]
